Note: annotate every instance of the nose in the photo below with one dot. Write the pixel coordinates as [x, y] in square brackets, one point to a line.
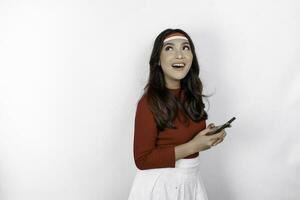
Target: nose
[179, 54]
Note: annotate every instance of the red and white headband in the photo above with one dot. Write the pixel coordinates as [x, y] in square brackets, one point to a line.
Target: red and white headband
[175, 37]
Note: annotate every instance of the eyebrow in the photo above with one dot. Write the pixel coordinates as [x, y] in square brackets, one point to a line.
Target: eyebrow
[169, 43]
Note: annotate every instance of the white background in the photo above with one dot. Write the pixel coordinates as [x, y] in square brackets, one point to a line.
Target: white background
[71, 73]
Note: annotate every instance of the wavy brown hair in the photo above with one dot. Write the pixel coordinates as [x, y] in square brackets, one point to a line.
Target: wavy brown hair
[163, 104]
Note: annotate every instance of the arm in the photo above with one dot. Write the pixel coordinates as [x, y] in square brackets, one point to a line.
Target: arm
[146, 154]
[184, 150]
[188, 148]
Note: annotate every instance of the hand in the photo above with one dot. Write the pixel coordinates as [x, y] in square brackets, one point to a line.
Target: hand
[219, 139]
[215, 128]
[203, 142]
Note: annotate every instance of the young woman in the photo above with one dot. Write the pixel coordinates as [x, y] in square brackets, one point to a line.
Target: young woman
[170, 128]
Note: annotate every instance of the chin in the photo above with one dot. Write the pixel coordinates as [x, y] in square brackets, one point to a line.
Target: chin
[179, 77]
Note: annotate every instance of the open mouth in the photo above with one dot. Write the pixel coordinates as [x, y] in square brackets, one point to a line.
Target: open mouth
[178, 65]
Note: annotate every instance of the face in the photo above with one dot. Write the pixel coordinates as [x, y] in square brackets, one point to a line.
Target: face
[175, 59]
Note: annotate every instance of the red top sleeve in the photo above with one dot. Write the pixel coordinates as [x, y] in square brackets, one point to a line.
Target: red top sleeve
[146, 154]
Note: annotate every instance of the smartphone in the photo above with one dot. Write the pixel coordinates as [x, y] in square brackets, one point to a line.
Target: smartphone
[220, 128]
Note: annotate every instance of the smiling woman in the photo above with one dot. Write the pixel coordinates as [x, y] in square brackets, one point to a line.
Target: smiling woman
[170, 128]
[176, 56]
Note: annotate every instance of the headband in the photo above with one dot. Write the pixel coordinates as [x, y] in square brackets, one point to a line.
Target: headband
[175, 37]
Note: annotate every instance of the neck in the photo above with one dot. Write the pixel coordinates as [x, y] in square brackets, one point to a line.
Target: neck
[172, 83]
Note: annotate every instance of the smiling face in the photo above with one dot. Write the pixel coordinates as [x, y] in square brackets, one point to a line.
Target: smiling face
[175, 59]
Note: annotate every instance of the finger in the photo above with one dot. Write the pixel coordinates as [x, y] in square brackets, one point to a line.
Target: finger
[215, 143]
[218, 141]
[205, 131]
[209, 129]
[212, 135]
[211, 125]
[221, 140]
[217, 135]
[212, 129]
[222, 134]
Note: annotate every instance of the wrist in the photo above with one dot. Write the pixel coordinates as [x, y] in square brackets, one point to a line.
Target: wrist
[193, 147]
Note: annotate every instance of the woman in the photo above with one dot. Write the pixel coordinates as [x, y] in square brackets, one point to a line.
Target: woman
[170, 127]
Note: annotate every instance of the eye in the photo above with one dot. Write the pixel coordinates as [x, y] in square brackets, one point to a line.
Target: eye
[188, 48]
[167, 48]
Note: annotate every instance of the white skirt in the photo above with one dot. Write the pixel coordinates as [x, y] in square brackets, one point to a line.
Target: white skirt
[183, 182]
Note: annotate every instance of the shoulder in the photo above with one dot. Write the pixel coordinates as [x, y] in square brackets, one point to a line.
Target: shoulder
[143, 104]
[144, 108]
[143, 111]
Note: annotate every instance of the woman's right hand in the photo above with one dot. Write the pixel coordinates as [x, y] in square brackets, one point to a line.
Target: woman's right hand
[203, 142]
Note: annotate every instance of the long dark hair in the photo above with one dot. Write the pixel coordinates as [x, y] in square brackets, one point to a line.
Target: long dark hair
[165, 106]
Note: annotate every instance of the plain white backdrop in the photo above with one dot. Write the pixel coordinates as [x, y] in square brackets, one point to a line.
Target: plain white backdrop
[71, 73]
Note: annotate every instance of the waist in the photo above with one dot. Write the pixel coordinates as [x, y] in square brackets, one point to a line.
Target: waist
[192, 155]
[188, 162]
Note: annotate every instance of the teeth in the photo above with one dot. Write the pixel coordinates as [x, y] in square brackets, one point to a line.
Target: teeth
[178, 65]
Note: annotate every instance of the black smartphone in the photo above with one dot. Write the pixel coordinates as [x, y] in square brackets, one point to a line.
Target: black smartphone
[227, 124]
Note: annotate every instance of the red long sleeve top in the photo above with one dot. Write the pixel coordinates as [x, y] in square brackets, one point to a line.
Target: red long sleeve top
[156, 149]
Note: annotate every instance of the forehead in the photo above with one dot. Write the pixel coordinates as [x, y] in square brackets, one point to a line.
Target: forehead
[176, 42]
